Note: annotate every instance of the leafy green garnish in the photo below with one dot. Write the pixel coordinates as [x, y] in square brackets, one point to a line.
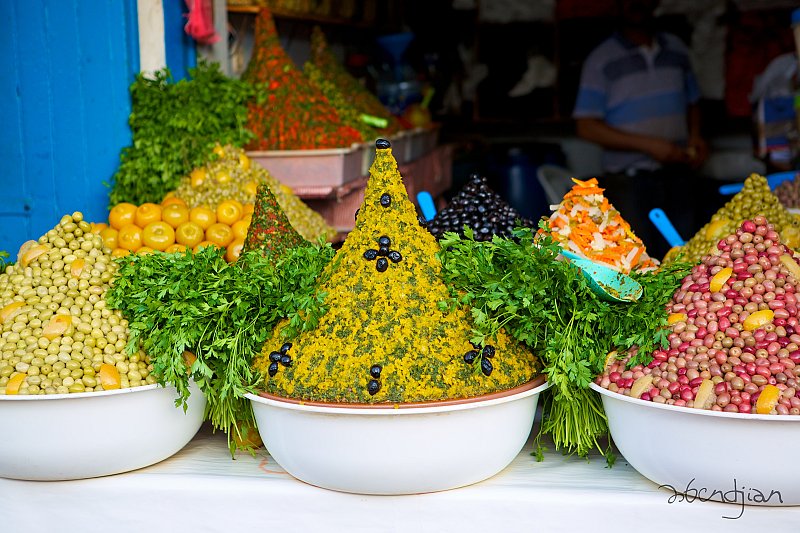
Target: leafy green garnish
[175, 127]
[221, 312]
[520, 285]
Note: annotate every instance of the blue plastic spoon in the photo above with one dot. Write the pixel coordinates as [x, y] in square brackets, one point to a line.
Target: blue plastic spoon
[606, 282]
[426, 205]
[664, 225]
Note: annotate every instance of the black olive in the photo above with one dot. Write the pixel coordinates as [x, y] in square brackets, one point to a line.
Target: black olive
[275, 356]
[370, 254]
[395, 256]
[355, 216]
[383, 251]
[286, 360]
[382, 144]
[273, 369]
[470, 356]
[286, 347]
[373, 387]
[422, 221]
[386, 200]
[375, 371]
[486, 367]
[381, 264]
[488, 351]
[384, 241]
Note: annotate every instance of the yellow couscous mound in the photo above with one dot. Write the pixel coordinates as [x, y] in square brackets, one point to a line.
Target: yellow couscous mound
[384, 337]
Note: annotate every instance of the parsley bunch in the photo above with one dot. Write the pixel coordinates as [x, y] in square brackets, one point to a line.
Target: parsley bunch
[220, 312]
[520, 285]
[175, 126]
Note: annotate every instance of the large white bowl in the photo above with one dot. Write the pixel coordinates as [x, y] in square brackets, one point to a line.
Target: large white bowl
[91, 434]
[738, 458]
[407, 449]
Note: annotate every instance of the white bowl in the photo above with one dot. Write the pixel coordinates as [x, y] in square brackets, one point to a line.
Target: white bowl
[738, 458]
[407, 449]
[91, 434]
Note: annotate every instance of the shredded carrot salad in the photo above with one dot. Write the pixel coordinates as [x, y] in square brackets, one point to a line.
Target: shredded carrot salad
[587, 224]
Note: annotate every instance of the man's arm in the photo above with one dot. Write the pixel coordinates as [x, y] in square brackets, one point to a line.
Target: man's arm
[599, 132]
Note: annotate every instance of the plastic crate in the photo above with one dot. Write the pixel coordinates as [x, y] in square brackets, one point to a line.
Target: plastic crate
[313, 168]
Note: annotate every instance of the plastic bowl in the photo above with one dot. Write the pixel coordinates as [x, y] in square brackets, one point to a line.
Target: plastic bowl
[92, 434]
[402, 449]
[738, 458]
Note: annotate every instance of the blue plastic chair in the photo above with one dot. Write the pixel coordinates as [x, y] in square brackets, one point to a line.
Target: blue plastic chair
[773, 180]
[425, 201]
[664, 225]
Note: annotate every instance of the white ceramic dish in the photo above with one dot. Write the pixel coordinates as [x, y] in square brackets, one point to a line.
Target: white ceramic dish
[405, 450]
[92, 434]
[737, 458]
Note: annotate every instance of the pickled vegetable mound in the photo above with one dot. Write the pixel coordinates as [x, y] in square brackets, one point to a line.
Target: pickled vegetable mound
[480, 208]
[734, 332]
[269, 230]
[58, 336]
[753, 200]
[233, 175]
[587, 224]
[384, 337]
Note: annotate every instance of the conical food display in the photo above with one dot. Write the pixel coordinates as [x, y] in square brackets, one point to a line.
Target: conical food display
[586, 223]
[270, 230]
[755, 199]
[480, 208]
[234, 176]
[292, 114]
[384, 337]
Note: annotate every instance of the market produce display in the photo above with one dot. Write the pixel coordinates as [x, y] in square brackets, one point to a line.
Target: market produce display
[203, 318]
[175, 125]
[520, 284]
[387, 335]
[788, 192]
[478, 207]
[232, 176]
[344, 91]
[734, 343]
[172, 226]
[755, 199]
[586, 223]
[58, 334]
[290, 113]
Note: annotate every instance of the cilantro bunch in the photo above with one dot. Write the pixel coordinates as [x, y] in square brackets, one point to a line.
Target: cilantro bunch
[220, 312]
[174, 126]
[545, 303]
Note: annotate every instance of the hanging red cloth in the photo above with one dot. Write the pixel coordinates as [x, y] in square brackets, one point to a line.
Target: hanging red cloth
[201, 21]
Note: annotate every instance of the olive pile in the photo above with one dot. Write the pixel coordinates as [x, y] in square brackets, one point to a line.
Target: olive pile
[753, 200]
[57, 335]
[788, 192]
[234, 176]
[479, 208]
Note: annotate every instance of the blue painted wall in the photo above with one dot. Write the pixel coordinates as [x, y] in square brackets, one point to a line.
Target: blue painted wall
[65, 70]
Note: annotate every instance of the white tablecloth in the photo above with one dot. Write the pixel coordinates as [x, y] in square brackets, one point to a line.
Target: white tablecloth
[202, 489]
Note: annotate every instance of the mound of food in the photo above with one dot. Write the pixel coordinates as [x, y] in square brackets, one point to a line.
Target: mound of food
[385, 337]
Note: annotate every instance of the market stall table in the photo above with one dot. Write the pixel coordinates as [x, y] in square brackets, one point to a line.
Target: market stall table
[202, 489]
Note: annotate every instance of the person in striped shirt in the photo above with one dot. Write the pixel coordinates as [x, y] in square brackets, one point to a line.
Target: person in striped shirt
[638, 99]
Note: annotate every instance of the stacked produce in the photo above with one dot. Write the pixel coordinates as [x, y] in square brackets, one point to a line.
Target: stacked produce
[755, 199]
[58, 335]
[290, 113]
[174, 127]
[173, 227]
[350, 97]
[232, 176]
[270, 231]
[480, 208]
[385, 337]
[788, 192]
[734, 341]
[586, 223]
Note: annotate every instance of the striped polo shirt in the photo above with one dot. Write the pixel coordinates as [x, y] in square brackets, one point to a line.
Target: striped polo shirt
[638, 90]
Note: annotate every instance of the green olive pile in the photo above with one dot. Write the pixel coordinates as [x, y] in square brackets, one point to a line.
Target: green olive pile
[788, 192]
[57, 335]
[753, 200]
[234, 176]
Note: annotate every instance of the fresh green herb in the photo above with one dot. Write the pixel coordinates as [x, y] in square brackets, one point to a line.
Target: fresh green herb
[220, 312]
[4, 260]
[175, 127]
[520, 285]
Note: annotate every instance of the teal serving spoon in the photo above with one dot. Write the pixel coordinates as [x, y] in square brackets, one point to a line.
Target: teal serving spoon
[606, 282]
